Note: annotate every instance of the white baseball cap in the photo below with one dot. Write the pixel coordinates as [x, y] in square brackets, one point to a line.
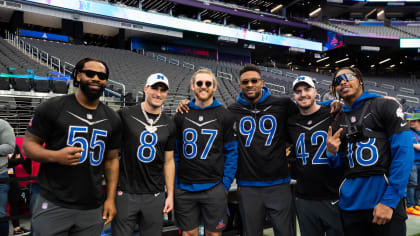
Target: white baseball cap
[157, 78]
[303, 79]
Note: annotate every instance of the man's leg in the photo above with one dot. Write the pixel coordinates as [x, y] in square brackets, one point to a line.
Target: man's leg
[88, 222]
[310, 224]
[128, 207]
[187, 212]
[34, 193]
[411, 191]
[278, 202]
[4, 189]
[252, 210]
[151, 216]
[357, 223]
[213, 207]
[417, 189]
[50, 219]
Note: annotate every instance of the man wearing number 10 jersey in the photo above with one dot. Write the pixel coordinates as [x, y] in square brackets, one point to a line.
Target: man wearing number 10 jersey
[263, 177]
[146, 163]
[82, 138]
[317, 184]
[206, 158]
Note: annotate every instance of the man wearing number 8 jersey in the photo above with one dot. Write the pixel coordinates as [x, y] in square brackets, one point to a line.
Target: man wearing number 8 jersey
[146, 164]
[206, 159]
[371, 142]
[317, 183]
[263, 177]
[82, 138]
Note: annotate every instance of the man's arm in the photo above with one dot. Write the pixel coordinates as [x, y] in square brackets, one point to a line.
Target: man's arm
[7, 139]
[111, 172]
[32, 148]
[417, 146]
[169, 173]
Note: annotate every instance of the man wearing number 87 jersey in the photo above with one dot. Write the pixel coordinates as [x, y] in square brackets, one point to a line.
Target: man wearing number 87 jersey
[263, 177]
[206, 159]
[82, 139]
[371, 142]
[317, 183]
[146, 163]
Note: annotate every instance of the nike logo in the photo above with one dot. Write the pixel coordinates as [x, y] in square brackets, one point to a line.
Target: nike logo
[257, 111]
[403, 124]
[198, 124]
[310, 128]
[90, 123]
[157, 194]
[144, 123]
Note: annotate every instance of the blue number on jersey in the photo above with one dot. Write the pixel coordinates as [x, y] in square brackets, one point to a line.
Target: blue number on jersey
[301, 148]
[94, 142]
[192, 142]
[249, 133]
[145, 145]
[360, 146]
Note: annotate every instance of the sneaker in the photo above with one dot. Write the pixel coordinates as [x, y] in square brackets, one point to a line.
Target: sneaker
[412, 211]
[417, 208]
[21, 231]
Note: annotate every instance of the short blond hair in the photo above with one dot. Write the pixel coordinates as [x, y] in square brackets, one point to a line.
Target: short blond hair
[203, 71]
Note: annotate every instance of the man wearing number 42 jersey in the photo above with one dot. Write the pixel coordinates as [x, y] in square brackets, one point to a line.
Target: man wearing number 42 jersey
[146, 163]
[317, 183]
[82, 138]
[371, 142]
[206, 159]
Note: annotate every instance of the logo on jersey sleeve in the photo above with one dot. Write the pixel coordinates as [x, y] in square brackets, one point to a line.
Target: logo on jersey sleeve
[400, 114]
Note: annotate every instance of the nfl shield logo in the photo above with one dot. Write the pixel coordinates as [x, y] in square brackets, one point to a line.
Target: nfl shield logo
[200, 118]
[353, 119]
[89, 116]
[310, 122]
[44, 205]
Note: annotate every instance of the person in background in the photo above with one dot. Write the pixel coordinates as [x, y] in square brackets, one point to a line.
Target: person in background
[7, 146]
[15, 197]
[412, 191]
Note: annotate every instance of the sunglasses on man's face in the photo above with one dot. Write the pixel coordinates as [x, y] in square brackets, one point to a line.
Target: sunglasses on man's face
[346, 77]
[207, 83]
[253, 81]
[92, 73]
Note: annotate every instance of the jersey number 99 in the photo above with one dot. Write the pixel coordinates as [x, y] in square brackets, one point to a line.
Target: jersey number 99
[247, 127]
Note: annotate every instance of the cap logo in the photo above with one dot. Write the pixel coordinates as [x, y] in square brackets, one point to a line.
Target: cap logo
[160, 77]
[301, 78]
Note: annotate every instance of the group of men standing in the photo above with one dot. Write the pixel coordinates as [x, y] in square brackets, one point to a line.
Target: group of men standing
[197, 155]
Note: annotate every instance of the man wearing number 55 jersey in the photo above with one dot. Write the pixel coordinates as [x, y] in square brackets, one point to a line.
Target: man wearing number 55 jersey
[206, 158]
[317, 183]
[146, 163]
[371, 142]
[82, 138]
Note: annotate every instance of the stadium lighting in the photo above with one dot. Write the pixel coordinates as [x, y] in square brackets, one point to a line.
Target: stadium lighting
[327, 65]
[386, 60]
[352, 66]
[323, 59]
[371, 66]
[392, 66]
[275, 9]
[315, 12]
[345, 59]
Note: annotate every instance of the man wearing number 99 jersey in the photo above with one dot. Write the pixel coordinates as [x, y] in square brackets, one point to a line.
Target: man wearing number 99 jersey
[317, 183]
[82, 138]
[371, 142]
[263, 177]
[206, 159]
[146, 163]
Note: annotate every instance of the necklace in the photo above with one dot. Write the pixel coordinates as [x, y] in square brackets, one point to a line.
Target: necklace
[151, 128]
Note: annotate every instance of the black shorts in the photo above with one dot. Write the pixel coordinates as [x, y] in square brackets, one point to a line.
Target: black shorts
[208, 207]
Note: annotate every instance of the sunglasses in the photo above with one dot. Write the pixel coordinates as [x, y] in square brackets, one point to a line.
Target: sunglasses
[253, 81]
[92, 73]
[207, 83]
[346, 77]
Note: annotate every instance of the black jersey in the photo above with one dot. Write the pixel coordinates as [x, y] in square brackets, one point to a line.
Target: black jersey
[62, 121]
[202, 138]
[262, 134]
[143, 152]
[373, 123]
[315, 179]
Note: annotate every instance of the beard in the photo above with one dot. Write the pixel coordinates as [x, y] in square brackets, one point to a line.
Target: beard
[89, 93]
[204, 97]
